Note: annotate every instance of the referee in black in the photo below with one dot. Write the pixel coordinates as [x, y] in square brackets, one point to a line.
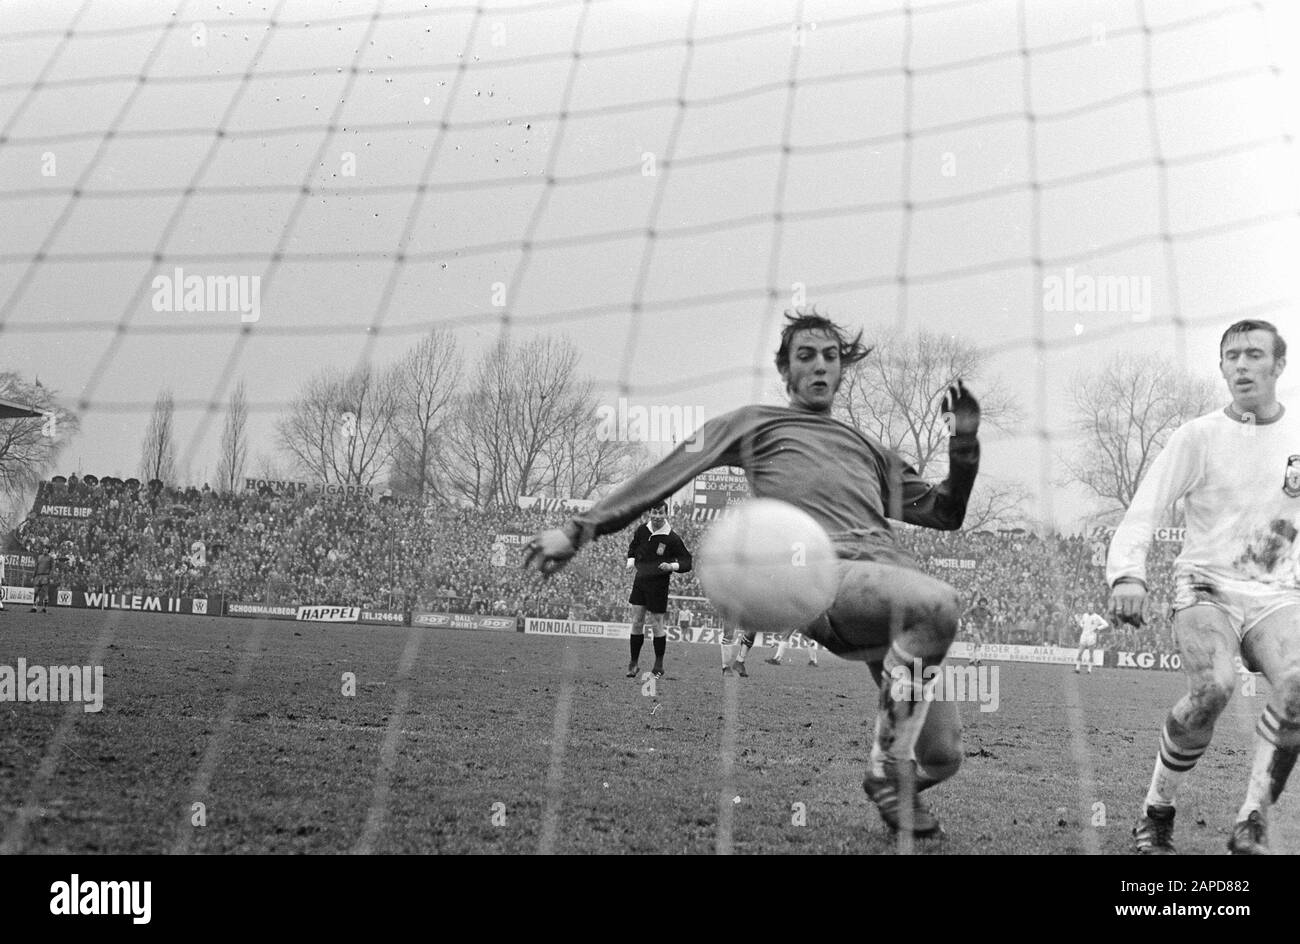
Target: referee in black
[656, 552]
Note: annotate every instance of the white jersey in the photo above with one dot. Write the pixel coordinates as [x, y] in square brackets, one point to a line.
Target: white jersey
[1089, 625]
[1091, 622]
[1240, 485]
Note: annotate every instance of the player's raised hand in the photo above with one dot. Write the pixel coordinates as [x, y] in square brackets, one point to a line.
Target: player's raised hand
[548, 551]
[1126, 601]
[961, 411]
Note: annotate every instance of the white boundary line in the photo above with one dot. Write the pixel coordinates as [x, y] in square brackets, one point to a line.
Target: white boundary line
[1083, 764]
[559, 742]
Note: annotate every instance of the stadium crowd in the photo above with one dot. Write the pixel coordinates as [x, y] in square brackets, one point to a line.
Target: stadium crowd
[261, 546]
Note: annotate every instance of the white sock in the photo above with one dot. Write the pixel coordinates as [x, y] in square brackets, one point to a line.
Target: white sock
[909, 714]
[1173, 763]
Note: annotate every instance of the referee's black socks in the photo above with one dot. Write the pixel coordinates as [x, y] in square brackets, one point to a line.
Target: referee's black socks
[637, 639]
[661, 644]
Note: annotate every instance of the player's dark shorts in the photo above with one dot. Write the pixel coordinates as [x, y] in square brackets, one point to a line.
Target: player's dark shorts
[652, 594]
[858, 624]
[41, 580]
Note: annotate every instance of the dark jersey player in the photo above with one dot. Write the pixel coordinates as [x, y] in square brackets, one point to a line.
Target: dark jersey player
[41, 580]
[976, 623]
[655, 553]
[887, 613]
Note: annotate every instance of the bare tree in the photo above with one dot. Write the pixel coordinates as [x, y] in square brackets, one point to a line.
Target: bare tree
[580, 462]
[1124, 415]
[996, 503]
[158, 452]
[340, 428]
[268, 467]
[896, 394]
[234, 442]
[509, 429]
[29, 447]
[427, 379]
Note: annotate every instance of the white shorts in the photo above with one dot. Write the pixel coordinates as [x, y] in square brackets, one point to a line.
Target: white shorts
[1245, 602]
[1088, 639]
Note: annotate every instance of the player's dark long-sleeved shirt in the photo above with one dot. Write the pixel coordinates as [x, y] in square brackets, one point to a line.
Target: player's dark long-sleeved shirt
[848, 482]
[649, 550]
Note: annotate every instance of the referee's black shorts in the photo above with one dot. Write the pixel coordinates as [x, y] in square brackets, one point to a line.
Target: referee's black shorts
[652, 594]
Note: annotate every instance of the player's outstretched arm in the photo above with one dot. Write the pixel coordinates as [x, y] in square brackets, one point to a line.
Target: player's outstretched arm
[943, 506]
[1170, 477]
[714, 444]
[549, 551]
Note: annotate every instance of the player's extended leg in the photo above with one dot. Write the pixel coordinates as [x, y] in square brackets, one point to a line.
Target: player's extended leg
[938, 747]
[1206, 644]
[1273, 647]
[905, 621]
[747, 640]
[637, 639]
[781, 645]
[727, 643]
[660, 630]
[902, 616]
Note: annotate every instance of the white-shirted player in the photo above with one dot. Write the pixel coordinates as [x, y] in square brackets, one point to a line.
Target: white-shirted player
[1237, 580]
[1090, 624]
[785, 642]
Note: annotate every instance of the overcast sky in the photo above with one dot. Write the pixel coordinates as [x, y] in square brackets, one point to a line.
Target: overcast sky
[313, 152]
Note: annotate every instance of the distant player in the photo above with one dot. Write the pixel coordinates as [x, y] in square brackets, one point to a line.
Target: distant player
[1236, 582]
[684, 617]
[887, 612]
[784, 643]
[655, 553]
[1090, 624]
[976, 623]
[2, 583]
[41, 580]
[736, 644]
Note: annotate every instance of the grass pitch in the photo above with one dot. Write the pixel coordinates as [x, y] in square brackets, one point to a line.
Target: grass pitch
[481, 742]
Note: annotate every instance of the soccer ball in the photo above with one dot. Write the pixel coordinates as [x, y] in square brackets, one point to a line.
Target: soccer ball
[768, 567]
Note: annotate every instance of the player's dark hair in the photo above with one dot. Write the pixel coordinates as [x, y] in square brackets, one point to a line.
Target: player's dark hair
[851, 351]
[1254, 324]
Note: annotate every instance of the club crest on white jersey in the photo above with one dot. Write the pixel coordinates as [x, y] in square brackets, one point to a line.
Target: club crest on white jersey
[1291, 481]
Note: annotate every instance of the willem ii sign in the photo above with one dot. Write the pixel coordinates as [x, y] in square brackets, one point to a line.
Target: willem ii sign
[142, 602]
